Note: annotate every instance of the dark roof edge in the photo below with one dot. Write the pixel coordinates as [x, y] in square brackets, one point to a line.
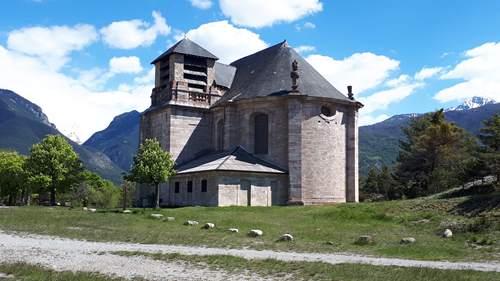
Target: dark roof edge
[226, 170]
[342, 101]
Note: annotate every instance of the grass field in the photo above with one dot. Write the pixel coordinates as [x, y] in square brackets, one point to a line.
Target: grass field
[323, 271]
[269, 268]
[25, 272]
[316, 229]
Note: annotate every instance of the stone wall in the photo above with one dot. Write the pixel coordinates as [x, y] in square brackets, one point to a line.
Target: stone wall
[323, 152]
[252, 189]
[227, 189]
[189, 133]
[239, 127]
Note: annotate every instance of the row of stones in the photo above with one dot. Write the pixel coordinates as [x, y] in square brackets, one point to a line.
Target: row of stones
[209, 225]
[368, 239]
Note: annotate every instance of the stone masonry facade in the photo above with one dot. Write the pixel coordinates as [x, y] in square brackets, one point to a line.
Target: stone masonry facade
[311, 145]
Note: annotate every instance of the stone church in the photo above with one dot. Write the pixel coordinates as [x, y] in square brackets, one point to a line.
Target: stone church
[265, 130]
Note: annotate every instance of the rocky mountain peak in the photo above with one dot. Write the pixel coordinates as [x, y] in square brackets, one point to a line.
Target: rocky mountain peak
[473, 102]
[16, 102]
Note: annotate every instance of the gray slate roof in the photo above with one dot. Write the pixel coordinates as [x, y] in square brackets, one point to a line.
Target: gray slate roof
[237, 159]
[224, 74]
[186, 47]
[267, 73]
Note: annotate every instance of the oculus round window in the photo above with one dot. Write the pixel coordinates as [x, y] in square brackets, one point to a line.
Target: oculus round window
[326, 111]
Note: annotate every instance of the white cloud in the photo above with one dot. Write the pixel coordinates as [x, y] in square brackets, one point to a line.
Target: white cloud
[306, 25]
[372, 79]
[428, 72]
[366, 119]
[261, 13]
[148, 78]
[51, 44]
[382, 99]
[134, 33]
[361, 70]
[479, 72]
[309, 25]
[402, 79]
[201, 4]
[68, 102]
[305, 49]
[130, 64]
[226, 41]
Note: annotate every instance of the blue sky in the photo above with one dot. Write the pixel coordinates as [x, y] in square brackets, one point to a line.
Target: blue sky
[87, 61]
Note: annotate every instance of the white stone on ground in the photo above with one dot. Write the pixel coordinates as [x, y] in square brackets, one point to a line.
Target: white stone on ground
[5, 276]
[157, 216]
[255, 233]
[170, 219]
[286, 237]
[189, 222]
[235, 230]
[85, 208]
[93, 210]
[209, 225]
[127, 212]
[408, 240]
[447, 233]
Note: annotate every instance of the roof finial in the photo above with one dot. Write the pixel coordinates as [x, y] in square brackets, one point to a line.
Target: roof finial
[295, 75]
[349, 92]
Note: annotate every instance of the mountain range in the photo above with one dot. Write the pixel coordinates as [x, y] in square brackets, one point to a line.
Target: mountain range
[379, 143]
[23, 123]
[110, 152]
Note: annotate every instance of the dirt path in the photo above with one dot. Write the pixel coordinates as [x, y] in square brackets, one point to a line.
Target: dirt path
[76, 255]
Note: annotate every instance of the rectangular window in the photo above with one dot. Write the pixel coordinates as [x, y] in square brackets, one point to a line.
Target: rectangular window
[177, 187]
[190, 186]
[204, 186]
[261, 134]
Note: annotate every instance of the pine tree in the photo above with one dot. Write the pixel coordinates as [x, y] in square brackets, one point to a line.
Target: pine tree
[434, 156]
[490, 137]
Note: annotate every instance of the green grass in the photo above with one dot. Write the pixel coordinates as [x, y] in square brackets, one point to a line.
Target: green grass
[321, 271]
[316, 229]
[25, 272]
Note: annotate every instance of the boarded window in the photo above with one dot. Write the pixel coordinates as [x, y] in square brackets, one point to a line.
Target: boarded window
[190, 186]
[203, 185]
[220, 135]
[177, 187]
[261, 136]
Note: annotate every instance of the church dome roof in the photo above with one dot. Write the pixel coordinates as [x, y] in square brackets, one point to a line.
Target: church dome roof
[267, 73]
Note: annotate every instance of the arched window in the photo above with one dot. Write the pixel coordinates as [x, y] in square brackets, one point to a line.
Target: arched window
[220, 135]
[261, 134]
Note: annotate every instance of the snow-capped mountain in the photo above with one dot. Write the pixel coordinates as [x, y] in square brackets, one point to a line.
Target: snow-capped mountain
[471, 103]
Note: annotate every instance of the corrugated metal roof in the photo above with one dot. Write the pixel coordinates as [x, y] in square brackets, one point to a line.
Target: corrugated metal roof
[237, 159]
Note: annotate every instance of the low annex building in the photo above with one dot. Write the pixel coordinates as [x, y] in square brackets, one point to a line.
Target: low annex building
[265, 130]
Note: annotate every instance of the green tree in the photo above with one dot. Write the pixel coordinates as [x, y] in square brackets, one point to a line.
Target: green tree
[490, 137]
[12, 176]
[152, 165]
[54, 163]
[387, 185]
[127, 194]
[370, 184]
[382, 184]
[434, 156]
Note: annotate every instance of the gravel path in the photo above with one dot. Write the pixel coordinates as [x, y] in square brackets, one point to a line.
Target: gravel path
[76, 255]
